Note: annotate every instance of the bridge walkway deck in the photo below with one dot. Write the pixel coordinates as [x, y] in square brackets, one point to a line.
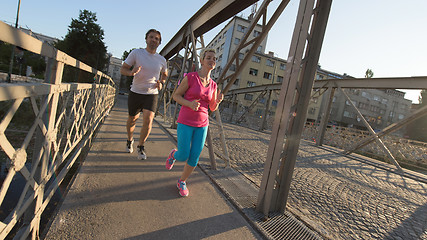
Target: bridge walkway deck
[117, 196]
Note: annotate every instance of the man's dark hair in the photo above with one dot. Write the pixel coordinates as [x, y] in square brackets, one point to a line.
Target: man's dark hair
[154, 31]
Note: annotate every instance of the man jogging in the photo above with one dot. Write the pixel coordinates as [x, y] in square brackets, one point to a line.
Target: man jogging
[149, 74]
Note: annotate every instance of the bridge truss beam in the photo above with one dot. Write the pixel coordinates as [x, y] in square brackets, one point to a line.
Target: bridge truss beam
[294, 95]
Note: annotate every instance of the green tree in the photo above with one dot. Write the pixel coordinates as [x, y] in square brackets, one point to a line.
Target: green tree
[128, 80]
[84, 41]
[22, 59]
[369, 73]
[417, 130]
[126, 54]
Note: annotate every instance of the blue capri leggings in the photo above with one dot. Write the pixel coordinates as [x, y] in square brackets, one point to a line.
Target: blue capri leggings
[190, 143]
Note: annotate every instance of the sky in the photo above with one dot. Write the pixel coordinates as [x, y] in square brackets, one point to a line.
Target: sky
[387, 36]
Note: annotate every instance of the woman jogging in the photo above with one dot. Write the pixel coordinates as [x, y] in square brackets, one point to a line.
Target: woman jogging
[197, 93]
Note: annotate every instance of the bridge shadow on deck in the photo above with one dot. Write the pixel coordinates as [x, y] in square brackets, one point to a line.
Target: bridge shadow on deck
[117, 196]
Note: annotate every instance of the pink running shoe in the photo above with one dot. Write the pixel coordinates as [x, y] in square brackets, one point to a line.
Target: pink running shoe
[170, 160]
[182, 186]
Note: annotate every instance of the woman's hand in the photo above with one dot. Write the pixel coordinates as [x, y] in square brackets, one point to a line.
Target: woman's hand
[219, 97]
[195, 105]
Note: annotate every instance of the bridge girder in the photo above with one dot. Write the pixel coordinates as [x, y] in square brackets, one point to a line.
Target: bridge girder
[213, 13]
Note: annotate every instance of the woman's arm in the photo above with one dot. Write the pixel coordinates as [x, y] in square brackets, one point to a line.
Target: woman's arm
[216, 100]
[179, 93]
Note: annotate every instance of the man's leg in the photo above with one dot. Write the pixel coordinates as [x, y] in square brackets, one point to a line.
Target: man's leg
[130, 126]
[147, 123]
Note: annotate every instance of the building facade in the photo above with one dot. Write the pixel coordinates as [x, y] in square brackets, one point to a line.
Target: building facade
[113, 71]
[380, 107]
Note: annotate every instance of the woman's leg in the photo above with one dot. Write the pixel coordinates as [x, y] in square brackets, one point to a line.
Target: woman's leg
[184, 135]
[187, 172]
[197, 144]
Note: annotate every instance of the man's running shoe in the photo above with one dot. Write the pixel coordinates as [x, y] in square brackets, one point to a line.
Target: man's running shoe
[141, 153]
[129, 146]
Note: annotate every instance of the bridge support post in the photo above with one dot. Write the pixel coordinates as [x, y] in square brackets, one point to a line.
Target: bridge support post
[325, 111]
[266, 111]
[293, 102]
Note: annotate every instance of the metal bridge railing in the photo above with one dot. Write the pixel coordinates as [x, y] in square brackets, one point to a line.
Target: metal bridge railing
[44, 128]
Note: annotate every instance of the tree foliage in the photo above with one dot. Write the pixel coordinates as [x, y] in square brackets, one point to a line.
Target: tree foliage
[128, 80]
[22, 60]
[126, 54]
[369, 73]
[84, 42]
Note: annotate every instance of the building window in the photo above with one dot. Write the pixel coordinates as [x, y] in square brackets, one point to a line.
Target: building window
[267, 75]
[261, 100]
[365, 94]
[279, 79]
[282, 66]
[236, 82]
[233, 67]
[217, 49]
[376, 98]
[222, 46]
[319, 77]
[241, 56]
[312, 111]
[314, 100]
[253, 72]
[269, 63]
[241, 28]
[363, 105]
[401, 116]
[236, 41]
[220, 57]
[375, 109]
[251, 84]
[256, 33]
[347, 114]
[256, 59]
[259, 49]
[248, 96]
[274, 102]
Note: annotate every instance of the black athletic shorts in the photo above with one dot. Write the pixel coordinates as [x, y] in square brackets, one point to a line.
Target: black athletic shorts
[137, 102]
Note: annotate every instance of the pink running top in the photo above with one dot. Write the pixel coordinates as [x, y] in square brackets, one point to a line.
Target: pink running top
[196, 91]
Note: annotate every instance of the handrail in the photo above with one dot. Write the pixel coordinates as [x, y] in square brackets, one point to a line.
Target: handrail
[18, 38]
[60, 120]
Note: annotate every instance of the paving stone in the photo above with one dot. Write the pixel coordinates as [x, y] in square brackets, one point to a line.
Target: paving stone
[354, 194]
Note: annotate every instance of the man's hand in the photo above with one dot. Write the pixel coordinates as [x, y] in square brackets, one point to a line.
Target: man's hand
[159, 85]
[135, 71]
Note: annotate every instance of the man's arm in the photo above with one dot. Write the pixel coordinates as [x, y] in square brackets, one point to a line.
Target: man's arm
[163, 76]
[160, 83]
[125, 70]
